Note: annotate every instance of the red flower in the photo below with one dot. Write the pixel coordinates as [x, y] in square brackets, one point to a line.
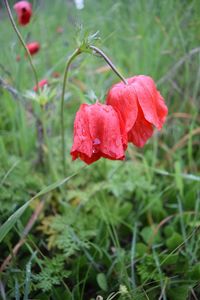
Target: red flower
[56, 75]
[24, 12]
[98, 133]
[18, 57]
[59, 29]
[140, 106]
[41, 84]
[33, 47]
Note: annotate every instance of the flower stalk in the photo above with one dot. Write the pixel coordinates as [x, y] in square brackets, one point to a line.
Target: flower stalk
[109, 62]
[65, 77]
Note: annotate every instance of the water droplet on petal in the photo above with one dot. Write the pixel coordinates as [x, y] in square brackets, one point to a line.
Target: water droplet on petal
[118, 142]
[96, 141]
[83, 132]
[95, 149]
[106, 108]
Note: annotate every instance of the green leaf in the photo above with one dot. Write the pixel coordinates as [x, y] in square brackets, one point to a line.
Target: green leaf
[169, 259]
[102, 281]
[53, 272]
[178, 293]
[195, 272]
[174, 241]
[148, 234]
[169, 230]
[7, 226]
[141, 249]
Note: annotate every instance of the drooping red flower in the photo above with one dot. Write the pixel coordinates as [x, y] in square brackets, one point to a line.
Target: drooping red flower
[140, 106]
[33, 47]
[41, 84]
[24, 12]
[98, 132]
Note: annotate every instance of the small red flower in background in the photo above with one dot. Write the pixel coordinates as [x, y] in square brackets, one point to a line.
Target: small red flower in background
[59, 29]
[140, 106]
[41, 84]
[18, 58]
[33, 47]
[98, 132]
[55, 74]
[24, 12]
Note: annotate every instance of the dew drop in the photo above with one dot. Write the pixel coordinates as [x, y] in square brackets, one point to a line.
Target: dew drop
[106, 108]
[96, 142]
[83, 132]
[118, 142]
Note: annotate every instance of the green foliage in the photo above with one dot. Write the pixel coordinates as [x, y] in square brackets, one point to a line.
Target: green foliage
[174, 241]
[147, 271]
[70, 232]
[178, 292]
[14, 191]
[102, 281]
[195, 272]
[52, 273]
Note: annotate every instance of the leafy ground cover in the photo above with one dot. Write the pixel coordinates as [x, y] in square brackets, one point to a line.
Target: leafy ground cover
[111, 230]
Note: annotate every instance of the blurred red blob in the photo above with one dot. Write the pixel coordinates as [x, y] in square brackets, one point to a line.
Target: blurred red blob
[55, 74]
[33, 47]
[98, 133]
[41, 84]
[140, 106]
[24, 12]
[18, 58]
[59, 29]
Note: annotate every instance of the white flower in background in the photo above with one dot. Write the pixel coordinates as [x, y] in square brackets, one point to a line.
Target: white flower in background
[79, 4]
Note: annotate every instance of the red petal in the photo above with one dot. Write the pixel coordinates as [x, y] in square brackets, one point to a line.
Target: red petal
[161, 109]
[141, 131]
[150, 100]
[104, 125]
[122, 97]
[41, 84]
[33, 47]
[82, 146]
[97, 133]
[24, 12]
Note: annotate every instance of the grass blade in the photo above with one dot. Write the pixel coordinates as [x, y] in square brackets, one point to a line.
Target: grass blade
[7, 226]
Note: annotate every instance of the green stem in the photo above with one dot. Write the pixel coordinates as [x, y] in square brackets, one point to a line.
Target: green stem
[21, 40]
[109, 62]
[69, 61]
[51, 167]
